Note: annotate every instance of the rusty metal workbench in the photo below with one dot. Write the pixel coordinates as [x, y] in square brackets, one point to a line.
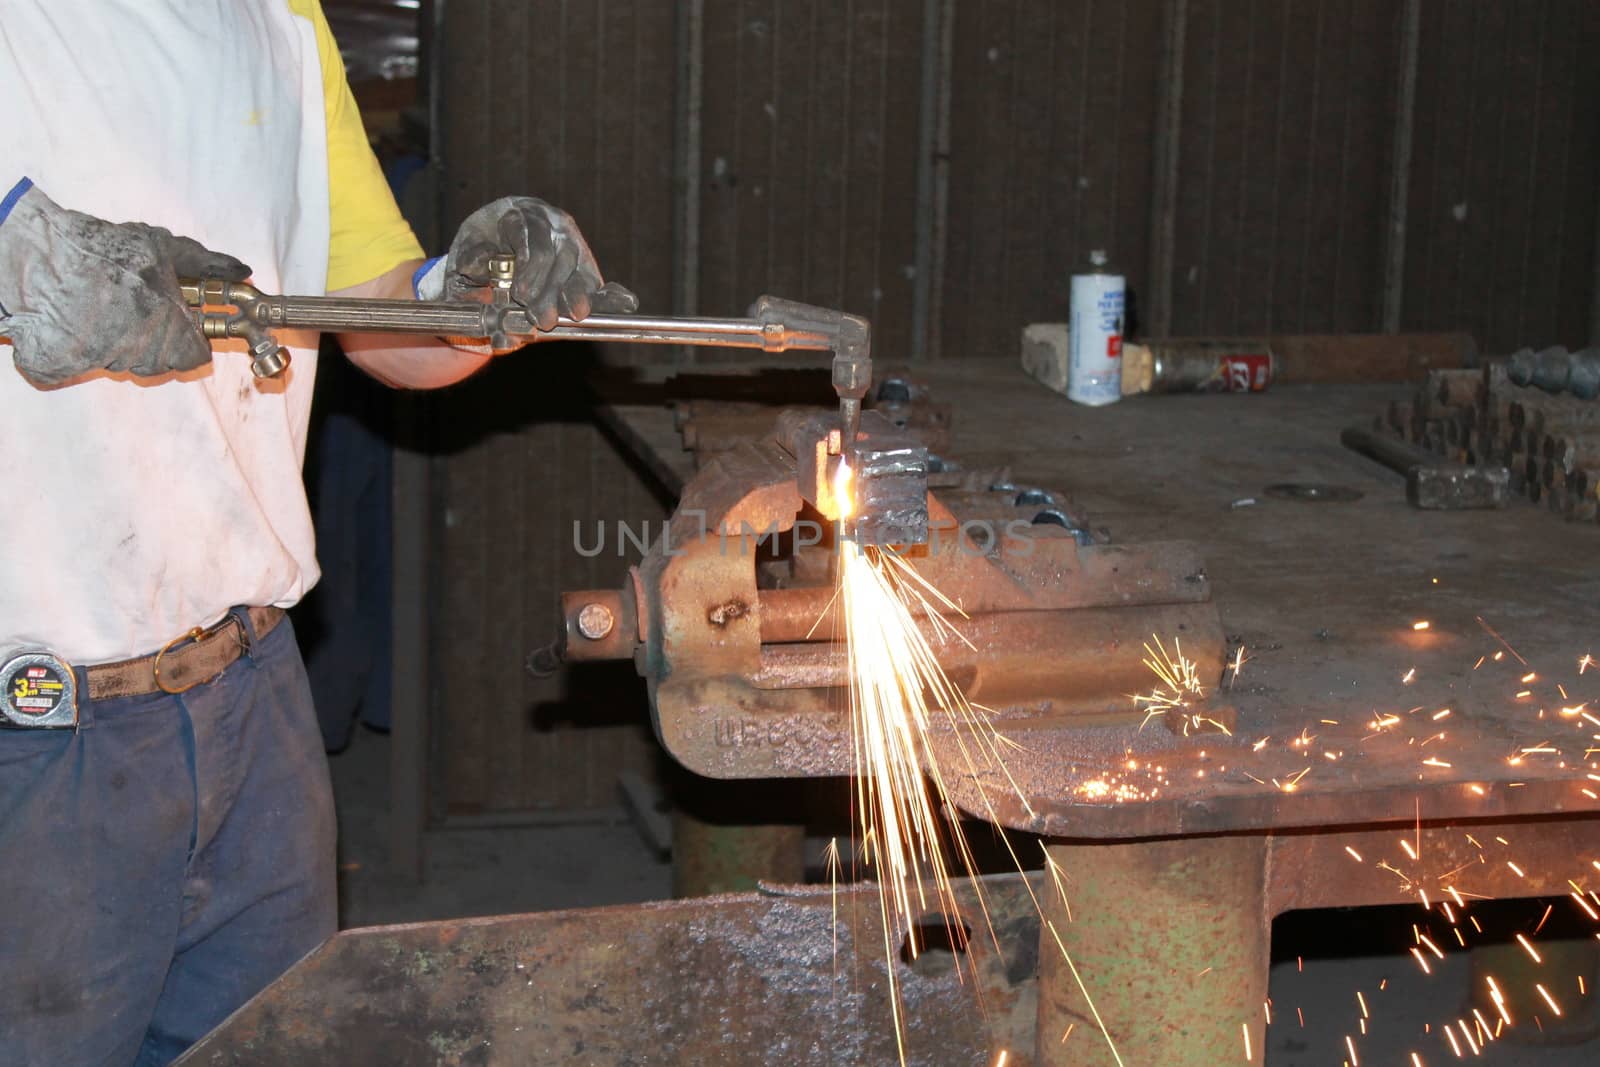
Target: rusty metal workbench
[1180, 850]
[1324, 596]
[1341, 720]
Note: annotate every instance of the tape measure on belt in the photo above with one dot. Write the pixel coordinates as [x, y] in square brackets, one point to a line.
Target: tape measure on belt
[38, 691]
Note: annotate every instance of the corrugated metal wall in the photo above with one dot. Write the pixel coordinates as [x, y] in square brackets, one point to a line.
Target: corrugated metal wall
[1504, 181]
[1286, 133]
[1052, 107]
[943, 166]
[808, 146]
[565, 100]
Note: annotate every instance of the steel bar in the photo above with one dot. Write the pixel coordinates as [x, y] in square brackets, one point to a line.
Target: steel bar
[1366, 358]
[811, 613]
[1431, 484]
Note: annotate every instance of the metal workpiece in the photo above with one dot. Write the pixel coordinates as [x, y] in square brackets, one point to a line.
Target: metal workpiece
[889, 478]
[1544, 432]
[816, 441]
[882, 494]
[1457, 486]
[790, 975]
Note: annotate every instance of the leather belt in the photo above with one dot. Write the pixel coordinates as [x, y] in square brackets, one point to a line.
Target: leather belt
[184, 662]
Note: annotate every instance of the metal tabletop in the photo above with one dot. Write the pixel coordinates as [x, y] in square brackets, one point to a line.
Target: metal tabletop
[1341, 700]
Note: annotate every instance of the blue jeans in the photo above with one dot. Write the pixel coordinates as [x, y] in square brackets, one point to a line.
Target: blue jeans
[162, 863]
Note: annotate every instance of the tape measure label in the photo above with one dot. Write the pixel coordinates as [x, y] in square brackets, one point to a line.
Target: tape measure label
[36, 689]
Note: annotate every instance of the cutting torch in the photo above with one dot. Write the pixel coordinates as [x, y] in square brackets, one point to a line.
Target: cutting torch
[236, 309]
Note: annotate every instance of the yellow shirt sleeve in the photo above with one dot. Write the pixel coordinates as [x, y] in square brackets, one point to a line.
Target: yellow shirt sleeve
[368, 236]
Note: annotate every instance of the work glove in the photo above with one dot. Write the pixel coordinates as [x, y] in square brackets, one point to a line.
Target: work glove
[556, 274]
[79, 294]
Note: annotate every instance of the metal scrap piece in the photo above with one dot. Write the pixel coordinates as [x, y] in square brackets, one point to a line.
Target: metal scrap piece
[1431, 483]
[890, 468]
[888, 474]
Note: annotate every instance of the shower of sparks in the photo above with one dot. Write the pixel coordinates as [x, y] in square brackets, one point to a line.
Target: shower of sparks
[896, 687]
[893, 675]
[1179, 689]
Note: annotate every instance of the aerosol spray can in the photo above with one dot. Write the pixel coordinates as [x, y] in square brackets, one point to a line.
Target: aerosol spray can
[1197, 366]
[1095, 338]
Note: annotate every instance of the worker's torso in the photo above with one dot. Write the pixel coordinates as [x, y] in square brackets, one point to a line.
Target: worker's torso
[137, 511]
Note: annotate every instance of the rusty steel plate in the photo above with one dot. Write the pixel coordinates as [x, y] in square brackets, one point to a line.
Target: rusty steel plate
[793, 976]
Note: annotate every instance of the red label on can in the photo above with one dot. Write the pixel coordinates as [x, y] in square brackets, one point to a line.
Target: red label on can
[1246, 374]
[1114, 346]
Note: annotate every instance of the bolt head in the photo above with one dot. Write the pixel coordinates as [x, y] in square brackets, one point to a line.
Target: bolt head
[595, 621]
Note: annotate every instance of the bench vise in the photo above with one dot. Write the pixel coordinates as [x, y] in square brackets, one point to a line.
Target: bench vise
[731, 616]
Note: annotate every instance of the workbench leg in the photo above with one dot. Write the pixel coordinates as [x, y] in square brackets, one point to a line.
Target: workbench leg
[729, 835]
[1172, 939]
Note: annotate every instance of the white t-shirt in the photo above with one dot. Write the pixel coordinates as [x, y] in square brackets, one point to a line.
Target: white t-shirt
[134, 512]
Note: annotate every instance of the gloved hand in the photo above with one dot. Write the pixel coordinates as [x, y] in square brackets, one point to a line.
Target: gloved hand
[79, 294]
[556, 273]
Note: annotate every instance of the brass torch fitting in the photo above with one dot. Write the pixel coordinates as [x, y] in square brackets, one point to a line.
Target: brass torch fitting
[268, 359]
